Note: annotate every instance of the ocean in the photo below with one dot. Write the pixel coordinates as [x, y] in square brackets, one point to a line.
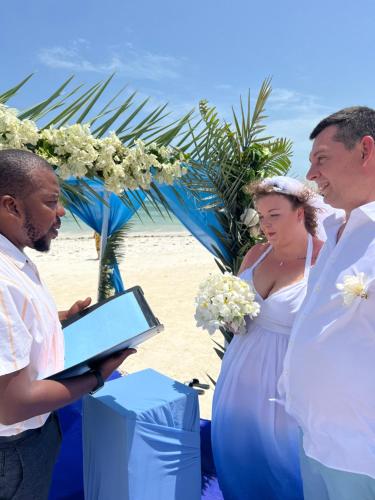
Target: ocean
[140, 223]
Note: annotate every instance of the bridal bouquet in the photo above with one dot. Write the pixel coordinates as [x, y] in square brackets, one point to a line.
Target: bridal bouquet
[224, 301]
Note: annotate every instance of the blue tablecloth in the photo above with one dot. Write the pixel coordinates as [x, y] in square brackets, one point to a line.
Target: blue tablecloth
[141, 440]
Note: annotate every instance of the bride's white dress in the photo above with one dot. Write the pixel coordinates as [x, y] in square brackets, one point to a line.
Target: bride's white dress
[255, 442]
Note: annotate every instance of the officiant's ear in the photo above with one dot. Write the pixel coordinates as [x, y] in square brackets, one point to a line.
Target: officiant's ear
[10, 206]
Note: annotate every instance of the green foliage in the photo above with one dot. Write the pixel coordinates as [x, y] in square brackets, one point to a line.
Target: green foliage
[114, 252]
[225, 157]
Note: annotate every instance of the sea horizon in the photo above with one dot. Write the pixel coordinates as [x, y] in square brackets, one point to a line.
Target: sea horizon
[140, 223]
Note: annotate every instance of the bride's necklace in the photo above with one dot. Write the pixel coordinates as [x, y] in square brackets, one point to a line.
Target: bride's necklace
[283, 262]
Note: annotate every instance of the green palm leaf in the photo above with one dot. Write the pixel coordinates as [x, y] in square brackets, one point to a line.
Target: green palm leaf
[114, 252]
[224, 157]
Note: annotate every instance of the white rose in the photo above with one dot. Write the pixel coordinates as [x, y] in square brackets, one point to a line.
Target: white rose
[249, 217]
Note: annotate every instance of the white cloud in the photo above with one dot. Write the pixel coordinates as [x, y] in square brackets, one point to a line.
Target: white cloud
[134, 64]
[224, 86]
[283, 96]
[294, 101]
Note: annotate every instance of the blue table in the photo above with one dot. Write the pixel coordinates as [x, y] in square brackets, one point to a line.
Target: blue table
[141, 440]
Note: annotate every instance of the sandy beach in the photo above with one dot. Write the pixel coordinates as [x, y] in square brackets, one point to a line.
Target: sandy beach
[169, 268]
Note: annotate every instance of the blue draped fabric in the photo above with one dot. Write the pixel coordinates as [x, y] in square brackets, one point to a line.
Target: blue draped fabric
[141, 440]
[201, 223]
[91, 210]
[67, 480]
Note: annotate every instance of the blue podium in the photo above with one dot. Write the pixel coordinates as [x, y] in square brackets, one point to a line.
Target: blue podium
[141, 440]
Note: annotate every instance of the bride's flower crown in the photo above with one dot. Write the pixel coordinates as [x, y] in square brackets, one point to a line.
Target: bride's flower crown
[285, 185]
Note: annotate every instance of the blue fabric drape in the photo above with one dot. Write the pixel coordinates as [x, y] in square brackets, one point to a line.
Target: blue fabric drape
[141, 440]
[67, 480]
[91, 211]
[189, 210]
[203, 224]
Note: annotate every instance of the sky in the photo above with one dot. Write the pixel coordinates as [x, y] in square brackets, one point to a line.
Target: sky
[320, 55]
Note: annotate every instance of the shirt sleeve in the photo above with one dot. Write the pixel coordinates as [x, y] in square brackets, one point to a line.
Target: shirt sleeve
[15, 337]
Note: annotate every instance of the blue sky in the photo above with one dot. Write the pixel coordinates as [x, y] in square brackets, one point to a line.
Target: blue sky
[320, 54]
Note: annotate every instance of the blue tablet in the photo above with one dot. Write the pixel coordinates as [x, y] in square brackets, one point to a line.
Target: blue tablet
[122, 321]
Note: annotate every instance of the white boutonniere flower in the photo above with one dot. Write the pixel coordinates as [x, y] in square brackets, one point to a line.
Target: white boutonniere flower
[353, 287]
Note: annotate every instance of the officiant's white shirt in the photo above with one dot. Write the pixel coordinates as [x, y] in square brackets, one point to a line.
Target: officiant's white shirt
[328, 381]
[30, 330]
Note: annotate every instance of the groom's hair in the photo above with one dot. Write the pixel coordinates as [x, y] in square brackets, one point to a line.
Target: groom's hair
[352, 124]
[16, 171]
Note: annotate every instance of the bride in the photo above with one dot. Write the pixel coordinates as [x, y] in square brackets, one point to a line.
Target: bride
[255, 443]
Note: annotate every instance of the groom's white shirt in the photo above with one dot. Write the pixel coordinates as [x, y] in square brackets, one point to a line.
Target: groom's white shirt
[328, 381]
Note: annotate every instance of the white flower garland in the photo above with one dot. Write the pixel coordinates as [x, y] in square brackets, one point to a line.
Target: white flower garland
[76, 152]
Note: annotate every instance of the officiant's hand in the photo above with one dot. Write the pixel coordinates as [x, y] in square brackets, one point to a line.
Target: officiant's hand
[111, 364]
[76, 308]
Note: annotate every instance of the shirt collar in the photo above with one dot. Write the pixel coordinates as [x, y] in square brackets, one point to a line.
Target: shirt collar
[332, 223]
[368, 210]
[357, 216]
[17, 256]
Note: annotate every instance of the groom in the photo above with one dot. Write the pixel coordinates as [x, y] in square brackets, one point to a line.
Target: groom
[329, 371]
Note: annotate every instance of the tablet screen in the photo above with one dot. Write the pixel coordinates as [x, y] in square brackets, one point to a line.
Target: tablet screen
[105, 326]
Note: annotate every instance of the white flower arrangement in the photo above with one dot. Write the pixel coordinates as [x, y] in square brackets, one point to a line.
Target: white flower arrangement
[76, 152]
[15, 133]
[353, 287]
[224, 301]
[249, 217]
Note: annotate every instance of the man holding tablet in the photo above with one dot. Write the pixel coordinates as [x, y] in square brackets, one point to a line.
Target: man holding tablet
[31, 339]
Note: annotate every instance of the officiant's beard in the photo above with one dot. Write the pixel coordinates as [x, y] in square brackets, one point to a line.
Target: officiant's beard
[39, 243]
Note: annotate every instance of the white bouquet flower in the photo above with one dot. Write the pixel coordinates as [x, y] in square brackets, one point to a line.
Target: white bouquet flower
[353, 287]
[224, 301]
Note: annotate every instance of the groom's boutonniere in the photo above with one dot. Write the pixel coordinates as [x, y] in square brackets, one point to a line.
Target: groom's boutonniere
[353, 287]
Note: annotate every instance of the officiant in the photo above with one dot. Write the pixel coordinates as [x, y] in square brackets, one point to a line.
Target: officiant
[31, 337]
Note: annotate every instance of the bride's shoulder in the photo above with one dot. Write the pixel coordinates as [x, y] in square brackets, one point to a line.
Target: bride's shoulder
[253, 255]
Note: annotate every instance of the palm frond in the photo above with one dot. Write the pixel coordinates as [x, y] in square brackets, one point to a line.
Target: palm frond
[8, 94]
[223, 158]
[114, 253]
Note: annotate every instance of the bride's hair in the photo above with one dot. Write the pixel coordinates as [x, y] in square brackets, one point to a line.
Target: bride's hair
[301, 198]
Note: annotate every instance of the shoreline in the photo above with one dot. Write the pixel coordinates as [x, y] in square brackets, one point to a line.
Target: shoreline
[137, 234]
